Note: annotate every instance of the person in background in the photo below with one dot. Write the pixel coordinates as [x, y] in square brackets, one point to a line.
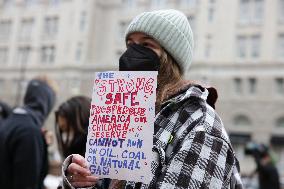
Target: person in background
[23, 159]
[71, 125]
[5, 111]
[191, 146]
[268, 176]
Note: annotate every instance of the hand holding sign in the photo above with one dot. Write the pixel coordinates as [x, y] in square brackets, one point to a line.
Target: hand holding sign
[121, 126]
[78, 173]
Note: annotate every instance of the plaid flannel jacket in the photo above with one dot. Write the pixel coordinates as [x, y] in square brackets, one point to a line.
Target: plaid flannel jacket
[191, 147]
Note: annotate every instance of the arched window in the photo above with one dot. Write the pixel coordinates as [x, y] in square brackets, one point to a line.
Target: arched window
[242, 120]
[280, 122]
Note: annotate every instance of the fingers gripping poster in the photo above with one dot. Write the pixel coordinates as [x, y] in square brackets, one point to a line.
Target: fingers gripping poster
[121, 125]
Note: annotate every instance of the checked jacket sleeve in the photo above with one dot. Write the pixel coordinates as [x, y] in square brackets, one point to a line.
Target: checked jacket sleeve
[203, 158]
[203, 161]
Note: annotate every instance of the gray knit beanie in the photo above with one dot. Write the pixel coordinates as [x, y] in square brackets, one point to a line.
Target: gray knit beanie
[171, 29]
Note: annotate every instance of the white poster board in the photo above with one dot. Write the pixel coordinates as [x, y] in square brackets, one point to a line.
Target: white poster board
[121, 125]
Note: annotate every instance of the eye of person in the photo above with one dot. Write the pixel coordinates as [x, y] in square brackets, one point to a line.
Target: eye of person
[146, 44]
[128, 43]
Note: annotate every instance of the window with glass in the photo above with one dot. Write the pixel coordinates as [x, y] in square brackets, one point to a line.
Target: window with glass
[48, 54]
[258, 11]
[241, 46]
[238, 85]
[23, 55]
[279, 85]
[3, 55]
[244, 11]
[211, 11]
[251, 11]
[280, 11]
[26, 29]
[280, 46]
[50, 26]
[78, 54]
[83, 19]
[280, 122]
[252, 85]
[255, 46]
[241, 121]
[5, 29]
[1, 86]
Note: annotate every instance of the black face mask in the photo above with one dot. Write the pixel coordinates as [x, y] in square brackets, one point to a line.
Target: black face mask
[139, 58]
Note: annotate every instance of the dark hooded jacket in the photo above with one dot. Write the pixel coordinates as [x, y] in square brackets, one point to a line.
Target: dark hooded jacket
[23, 151]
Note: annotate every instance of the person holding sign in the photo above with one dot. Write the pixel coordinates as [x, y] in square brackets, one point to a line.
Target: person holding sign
[191, 147]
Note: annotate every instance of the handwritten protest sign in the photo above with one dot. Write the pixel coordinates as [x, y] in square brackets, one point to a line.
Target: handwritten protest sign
[121, 125]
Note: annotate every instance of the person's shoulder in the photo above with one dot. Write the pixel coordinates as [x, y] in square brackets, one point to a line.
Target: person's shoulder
[17, 131]
[205, 116]
[200, 98]
[196, 113]
[21, 125]
[212, 123]
[196, 96]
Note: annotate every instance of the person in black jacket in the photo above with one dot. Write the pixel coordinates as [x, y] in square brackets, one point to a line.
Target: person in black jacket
[267, 173]
[23, 159]
[268, 176]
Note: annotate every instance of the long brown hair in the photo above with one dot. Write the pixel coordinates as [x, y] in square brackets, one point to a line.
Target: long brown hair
[169, 77]
[76, 111]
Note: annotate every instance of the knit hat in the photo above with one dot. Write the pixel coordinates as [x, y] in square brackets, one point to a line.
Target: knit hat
[171, 29]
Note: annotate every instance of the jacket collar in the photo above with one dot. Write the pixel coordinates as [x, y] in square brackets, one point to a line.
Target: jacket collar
[164, 125]
[190, 89]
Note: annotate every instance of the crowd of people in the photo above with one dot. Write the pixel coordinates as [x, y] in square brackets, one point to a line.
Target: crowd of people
[199, 155]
